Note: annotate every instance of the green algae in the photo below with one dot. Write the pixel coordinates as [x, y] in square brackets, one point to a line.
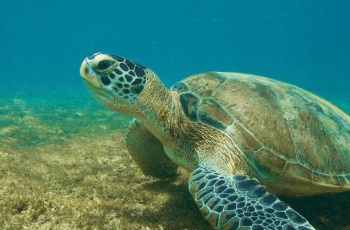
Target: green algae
[64, 165]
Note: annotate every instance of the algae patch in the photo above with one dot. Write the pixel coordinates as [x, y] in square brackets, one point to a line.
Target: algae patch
[64, 165]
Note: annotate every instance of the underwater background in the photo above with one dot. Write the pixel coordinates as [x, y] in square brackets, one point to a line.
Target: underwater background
[63, 161]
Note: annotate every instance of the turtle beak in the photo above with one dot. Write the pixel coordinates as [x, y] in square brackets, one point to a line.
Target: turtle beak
[88, 74]
[84, 68]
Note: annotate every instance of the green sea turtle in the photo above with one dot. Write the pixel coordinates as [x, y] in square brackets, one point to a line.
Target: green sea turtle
[232, 131]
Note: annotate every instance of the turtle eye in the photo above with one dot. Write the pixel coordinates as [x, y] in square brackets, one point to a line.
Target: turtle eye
[104, 64]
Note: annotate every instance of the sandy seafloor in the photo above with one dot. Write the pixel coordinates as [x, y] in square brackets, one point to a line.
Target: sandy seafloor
[64, 165]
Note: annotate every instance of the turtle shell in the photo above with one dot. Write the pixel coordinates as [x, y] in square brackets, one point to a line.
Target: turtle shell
[295, 142]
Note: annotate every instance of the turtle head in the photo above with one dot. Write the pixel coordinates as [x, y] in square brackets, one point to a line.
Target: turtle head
[114, 81]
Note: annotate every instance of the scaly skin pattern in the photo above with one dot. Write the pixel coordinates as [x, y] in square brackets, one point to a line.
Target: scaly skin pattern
[160, 111]
[235, 202]
[186, 143]
[228, 129]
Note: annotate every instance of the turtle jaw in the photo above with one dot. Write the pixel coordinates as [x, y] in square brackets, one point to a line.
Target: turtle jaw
[87, 75]
[91, 80]
[95, 87]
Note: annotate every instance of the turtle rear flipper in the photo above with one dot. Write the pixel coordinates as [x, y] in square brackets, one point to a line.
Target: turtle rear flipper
[235, 202]
[148, 152]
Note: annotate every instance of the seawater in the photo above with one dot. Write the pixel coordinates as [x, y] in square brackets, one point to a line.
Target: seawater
[63, 160]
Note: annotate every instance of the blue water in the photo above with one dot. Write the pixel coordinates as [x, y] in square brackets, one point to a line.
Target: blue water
[42, 43]
[306, 43]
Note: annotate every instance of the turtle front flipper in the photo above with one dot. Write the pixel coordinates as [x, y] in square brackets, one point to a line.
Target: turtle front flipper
[148, 152]
[235, 202]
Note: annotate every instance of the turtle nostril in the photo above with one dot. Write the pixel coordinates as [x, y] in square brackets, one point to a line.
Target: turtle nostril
[91, 57]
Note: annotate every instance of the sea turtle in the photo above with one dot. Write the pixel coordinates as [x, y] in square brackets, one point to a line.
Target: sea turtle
[231, 131]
